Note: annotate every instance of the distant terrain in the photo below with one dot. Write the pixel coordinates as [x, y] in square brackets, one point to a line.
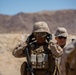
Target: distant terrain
[15, 29]
[23, 22]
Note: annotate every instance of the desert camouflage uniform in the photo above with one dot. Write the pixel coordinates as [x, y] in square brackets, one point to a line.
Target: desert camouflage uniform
[39, 53]
[70, 51]
[61, 31]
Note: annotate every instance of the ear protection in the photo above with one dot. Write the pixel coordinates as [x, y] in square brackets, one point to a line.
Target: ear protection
[31, 38]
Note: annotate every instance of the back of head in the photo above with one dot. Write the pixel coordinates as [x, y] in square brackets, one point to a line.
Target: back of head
[41, 27]
[61, 32]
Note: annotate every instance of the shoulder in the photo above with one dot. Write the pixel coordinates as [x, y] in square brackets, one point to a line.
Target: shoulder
[70, 47]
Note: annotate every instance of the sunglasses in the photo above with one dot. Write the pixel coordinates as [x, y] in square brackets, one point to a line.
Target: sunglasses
[42, 34]
[61, 37]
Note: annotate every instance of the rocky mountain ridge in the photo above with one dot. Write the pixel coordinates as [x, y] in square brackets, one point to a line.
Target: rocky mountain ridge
[23, 22]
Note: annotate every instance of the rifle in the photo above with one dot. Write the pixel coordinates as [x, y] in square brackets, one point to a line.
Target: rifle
[29, 66]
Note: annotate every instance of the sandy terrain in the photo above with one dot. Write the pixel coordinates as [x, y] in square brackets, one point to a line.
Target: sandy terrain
[9, 65]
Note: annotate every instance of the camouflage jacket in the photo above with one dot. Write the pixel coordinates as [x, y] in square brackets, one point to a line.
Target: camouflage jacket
[55, 49]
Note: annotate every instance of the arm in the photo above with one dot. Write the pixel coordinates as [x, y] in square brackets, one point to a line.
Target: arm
[71, 56]
[19, 50]
[56, 50]
[70, 51]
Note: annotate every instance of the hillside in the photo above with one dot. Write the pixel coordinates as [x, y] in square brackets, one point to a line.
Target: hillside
[23, 22]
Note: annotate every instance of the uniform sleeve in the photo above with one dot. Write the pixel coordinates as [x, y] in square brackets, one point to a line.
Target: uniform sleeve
[70, 51]
[19, 50]
[56, 50]
[70, 47]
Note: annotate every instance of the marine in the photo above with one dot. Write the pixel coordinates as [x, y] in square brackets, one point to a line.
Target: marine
[39, 51]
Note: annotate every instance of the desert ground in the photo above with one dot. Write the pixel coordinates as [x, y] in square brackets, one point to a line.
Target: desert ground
[9, 65]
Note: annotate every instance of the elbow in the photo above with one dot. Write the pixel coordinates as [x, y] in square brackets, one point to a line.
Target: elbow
[18, 55]
[15, 55]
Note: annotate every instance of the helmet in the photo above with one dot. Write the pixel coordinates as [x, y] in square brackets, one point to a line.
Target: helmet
[61, 32]
[41, 27]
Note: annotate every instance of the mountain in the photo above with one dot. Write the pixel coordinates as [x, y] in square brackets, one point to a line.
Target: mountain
[23, 22]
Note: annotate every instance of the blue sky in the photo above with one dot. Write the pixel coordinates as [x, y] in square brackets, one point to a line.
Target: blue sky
[12, 7]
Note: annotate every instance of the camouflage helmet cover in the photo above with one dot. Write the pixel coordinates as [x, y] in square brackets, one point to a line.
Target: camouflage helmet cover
[61, 32]
[41, 27]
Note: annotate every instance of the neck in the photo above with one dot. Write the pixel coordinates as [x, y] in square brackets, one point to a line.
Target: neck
[42, 43]
[62, 46]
